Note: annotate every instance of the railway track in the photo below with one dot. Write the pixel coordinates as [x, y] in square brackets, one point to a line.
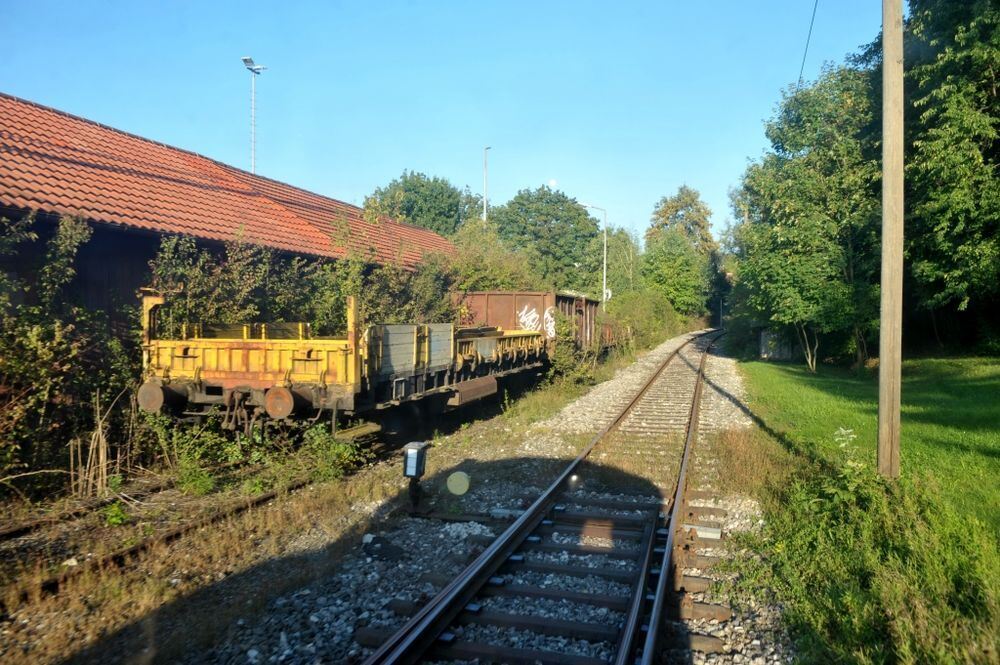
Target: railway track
[125, 555]
[591, 543]
[143, 489]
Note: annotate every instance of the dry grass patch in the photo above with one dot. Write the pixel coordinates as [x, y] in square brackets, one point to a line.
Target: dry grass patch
[751, 463]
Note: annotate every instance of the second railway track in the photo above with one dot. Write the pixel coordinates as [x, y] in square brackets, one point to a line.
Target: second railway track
[609, 540]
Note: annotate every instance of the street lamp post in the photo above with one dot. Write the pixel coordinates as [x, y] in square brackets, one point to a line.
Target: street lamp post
[255, 71]
[486, 195]
[604, 285]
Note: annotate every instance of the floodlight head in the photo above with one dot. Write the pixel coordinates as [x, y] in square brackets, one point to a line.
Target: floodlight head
[251, 65]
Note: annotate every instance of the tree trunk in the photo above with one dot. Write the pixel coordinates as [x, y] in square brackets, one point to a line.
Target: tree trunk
[934, 326]
[815, 349]
[809, 349]
[860, 348]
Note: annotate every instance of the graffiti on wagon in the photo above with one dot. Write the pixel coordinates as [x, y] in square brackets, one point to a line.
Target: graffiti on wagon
[529, 319]
[550, 323]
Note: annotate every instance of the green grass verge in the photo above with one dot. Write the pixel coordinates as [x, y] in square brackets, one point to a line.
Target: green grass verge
[950, 420]
[868, 570]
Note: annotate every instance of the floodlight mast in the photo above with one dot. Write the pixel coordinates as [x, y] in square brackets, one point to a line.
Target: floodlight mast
[255, 71]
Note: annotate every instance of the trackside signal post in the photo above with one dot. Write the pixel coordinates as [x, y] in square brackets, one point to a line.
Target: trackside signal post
[890, 324]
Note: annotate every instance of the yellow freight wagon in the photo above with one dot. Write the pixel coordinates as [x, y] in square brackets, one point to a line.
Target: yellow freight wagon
[248, 371]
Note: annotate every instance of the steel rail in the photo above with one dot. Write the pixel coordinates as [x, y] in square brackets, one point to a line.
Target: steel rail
[633, 621]
[418, 634]
[13, 531]
[120, 557]
[650, 653]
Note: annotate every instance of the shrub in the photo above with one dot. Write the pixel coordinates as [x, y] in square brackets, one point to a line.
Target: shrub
[874, 571]
[55, 355]
[115, 514]
[643, 318]
[194, 479]
[567, 360]
[329, 457]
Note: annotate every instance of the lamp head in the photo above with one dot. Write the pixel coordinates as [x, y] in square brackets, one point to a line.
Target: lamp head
[251, 65]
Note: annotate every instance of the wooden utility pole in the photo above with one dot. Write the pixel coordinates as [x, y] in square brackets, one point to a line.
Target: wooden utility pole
[890, 324]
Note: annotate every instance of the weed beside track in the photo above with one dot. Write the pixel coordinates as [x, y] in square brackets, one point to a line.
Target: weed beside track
[870, 570]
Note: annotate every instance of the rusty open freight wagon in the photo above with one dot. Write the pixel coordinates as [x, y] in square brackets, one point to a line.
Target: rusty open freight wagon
[532, 310]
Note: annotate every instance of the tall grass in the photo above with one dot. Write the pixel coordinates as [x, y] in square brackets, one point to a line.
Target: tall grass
[869, 570]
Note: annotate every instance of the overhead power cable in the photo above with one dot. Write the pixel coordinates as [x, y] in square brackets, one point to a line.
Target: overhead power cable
[802, 68]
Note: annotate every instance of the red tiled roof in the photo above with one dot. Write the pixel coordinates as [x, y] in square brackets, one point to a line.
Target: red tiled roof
[59, 163]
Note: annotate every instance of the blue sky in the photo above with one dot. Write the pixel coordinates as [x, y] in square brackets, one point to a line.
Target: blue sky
[618, 103]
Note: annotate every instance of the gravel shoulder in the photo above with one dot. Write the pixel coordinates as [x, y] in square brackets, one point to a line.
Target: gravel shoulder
[186, 597]
[755, 634]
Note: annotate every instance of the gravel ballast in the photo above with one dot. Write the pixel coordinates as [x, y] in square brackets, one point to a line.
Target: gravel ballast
[393, 561]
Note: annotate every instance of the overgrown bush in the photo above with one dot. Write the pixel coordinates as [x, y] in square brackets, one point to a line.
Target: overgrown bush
[244, 283]
[115, 514]
[55, 355]
[643, 318]
[329, 457]
[875, 571]
[484, 261]
[193, 478]
[567, 360]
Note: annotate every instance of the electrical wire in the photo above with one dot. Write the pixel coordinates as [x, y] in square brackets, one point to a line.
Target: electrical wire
[802, 68]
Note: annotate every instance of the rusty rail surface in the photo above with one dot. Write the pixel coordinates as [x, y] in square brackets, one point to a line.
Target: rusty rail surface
[20, 529]
[119, 558]
[420, 633]
[650, 652]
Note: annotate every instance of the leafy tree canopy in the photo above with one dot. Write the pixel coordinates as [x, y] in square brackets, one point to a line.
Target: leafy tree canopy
[952, 173]
[686, 212]
[624, 263]
[673, 266]
[483, 261]
[430, 202]
[563, 237]
[809, 242]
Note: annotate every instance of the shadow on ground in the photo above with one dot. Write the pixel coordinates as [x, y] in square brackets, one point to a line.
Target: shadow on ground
[196, 628]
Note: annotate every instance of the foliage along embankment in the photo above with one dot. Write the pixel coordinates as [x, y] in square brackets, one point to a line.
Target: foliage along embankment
[950, 420]
[805, 252]
[870, 570]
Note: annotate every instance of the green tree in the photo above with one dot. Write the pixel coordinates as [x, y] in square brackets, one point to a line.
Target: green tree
[624, 262]
[790, 275]
[562, 237]
[483, 261]
[809, 243]
[686, 212]
[953, 49]
[673, 266]
[421, 200]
